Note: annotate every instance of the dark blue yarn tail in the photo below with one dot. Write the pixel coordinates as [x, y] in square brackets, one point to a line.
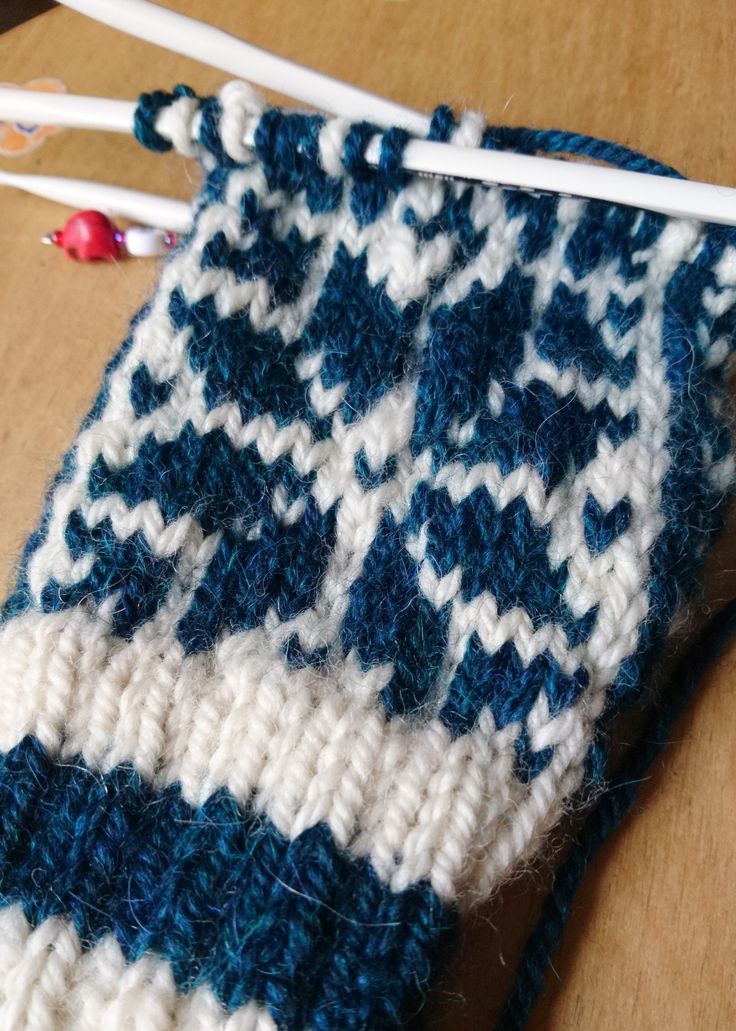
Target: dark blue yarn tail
[606, 816]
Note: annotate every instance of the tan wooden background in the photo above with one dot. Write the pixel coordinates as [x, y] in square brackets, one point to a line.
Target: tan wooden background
[652, 942]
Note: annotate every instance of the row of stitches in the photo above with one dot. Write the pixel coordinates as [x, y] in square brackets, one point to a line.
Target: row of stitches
[304, 746]
[47, 980]
[218, 892]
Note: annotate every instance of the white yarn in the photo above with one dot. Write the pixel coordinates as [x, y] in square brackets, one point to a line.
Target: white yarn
[48, 983]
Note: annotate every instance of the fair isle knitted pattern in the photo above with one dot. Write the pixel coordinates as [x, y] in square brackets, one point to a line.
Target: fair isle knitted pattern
[381, 514]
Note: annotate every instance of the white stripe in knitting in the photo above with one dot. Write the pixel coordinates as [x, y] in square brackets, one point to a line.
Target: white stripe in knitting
[49, 983]
[306, 745]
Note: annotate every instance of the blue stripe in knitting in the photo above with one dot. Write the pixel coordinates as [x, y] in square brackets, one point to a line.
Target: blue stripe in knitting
[567, 338]
[285, 263]
[124, 568]
[570, 438]
[498, 550]
[297, 925]
[459, 340]
[369, 191]
[240, 364]
[608, 813]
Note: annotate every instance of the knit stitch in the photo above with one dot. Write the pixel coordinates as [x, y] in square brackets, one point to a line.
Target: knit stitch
[381, 515]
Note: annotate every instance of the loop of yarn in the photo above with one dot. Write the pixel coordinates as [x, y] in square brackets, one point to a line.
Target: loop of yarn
[356, 143]
[442, 124]
[241, 109]
[331, 143]
[469, 130]
[554, 141]
[209, 131]
[391, 159]
[177, 123]
[289, 147]
[150, 106]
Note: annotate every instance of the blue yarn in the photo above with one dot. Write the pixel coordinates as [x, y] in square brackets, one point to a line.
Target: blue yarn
[608, 813]
[390, 160]
[126, 568]
[555, 141]
[389, 621]
[280, 570]
[602, 528]
[288, 148]
[441, 124]
[146, 393]
[296, 925]
[492, 680]
[366, 340]
[288, 260]
[147, 111]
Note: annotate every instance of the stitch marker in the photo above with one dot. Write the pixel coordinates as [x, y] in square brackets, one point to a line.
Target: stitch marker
[91, 236]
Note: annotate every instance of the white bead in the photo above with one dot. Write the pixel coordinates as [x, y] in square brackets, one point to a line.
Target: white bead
[144, 242]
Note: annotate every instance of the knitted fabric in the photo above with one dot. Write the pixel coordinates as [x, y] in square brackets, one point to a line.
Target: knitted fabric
[381, 514]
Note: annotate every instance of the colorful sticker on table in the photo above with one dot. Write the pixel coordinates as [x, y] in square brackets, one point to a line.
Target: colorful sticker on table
[18, 138]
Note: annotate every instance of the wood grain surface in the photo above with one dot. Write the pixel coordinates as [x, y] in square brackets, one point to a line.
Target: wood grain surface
[652, 940]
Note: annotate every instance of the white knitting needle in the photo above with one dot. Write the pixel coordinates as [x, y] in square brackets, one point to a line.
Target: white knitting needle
[191, 38]
[149, 209]
[675, 197]
[37, 108]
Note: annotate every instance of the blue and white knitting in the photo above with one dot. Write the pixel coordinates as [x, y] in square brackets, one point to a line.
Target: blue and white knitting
[382, 513]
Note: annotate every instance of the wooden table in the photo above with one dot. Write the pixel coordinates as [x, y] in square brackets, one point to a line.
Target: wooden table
[652, 940]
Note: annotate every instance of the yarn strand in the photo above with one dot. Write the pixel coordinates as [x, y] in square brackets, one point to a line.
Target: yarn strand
[608, 815]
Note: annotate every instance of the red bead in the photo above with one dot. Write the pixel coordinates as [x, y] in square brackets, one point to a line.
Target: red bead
[89, 236]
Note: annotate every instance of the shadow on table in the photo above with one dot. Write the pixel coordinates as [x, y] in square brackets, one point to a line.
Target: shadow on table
[13, 12]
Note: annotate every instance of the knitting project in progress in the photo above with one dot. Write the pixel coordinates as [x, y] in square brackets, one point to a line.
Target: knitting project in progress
[383, 510]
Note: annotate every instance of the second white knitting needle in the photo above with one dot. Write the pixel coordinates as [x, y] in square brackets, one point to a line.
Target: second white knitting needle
[184, 35]
[117, 201]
